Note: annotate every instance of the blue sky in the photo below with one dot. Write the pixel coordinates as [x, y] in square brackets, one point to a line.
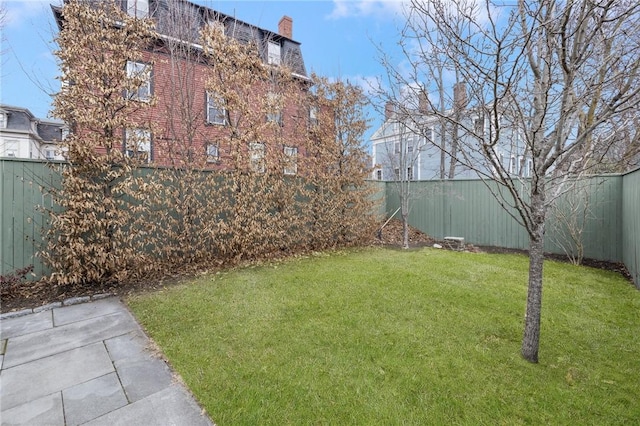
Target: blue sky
[338, 40]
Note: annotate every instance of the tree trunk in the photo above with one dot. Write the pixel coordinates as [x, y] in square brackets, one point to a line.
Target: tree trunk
[404, 212]
[531, 339]
[405, 230]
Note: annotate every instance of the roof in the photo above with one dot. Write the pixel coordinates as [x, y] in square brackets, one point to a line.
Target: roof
[21, 120]
[165, 18]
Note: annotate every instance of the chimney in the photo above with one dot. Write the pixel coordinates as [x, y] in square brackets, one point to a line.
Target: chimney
[388, 110]
[459, 96]
[285, 27]
[423, 103]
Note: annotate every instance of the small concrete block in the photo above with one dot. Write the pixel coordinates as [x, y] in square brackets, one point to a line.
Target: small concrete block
[32, 380]
[43, 411]
[3, 346]
[47, 307]
[84, 311]
[44, 343]
[18, 326]
[92, 399]
[76, 300]
[101, 296]
[171, 406]
[15, 314]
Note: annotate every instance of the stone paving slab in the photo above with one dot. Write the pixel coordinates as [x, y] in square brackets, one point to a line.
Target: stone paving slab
[42, 411]
[141, 374]
[171, 406]
[88, 363]
[19, 326]
[92, 399]
[85, 311]
[44, 343]
[32, 380]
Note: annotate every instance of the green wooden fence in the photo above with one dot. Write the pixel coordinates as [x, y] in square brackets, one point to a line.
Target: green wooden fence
[24, 188]
[466, 208]
[461, 208]
[630, 228]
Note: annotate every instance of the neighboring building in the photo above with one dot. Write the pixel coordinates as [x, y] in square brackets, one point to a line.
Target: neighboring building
[409, 147]
[276, 49]
[24, 136]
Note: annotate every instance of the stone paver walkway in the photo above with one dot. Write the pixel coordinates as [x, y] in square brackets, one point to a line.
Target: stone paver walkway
[88, 364]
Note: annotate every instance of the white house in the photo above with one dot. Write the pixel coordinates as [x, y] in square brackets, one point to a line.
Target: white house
[408, 146]
[24, 136]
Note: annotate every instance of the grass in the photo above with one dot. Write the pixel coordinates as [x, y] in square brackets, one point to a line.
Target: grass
[389, 337]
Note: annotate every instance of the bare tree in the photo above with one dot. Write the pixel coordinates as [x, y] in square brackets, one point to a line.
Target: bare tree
[543, 80]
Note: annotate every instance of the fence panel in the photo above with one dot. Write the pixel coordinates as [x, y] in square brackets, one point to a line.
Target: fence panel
[21, 215]
[467, 208]
[631, 224]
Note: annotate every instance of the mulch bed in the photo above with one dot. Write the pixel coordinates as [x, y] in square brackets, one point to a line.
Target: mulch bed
[25, 294]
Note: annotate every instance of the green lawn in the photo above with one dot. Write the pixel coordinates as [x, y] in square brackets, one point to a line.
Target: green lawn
[385, 337]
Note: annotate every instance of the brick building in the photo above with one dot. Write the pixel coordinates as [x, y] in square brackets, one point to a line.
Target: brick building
[186, 123]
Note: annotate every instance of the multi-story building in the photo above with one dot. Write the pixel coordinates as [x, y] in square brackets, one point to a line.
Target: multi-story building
[22, 135]
[169, 75]
[418, 145]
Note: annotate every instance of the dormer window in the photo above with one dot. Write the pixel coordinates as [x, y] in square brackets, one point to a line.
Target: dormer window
[273, 53]
[138, 8]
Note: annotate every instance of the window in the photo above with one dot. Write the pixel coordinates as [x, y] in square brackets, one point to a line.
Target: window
[275, 111]
[213, 153]
[10, 148]
[291, 158]
[313, 116]
[529, 167]
[141, 75]
[397, 148]
[273, 53]
[396, 172]
[478, 124]
[256, 156]
[379, 174]
[409, 173]
[138, 8]
[216, 113]
[512, 165]
[138, 144]
[49, 154]
[3, 120]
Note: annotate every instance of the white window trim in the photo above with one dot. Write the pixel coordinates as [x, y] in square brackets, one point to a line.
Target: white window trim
[512, 165]
[291, 155]
[313, 116]
[220, 116]
[274, 114]
[274, 53]
[213, 153]
[143, 72]
[142, 143]
[256, 156]
[138, 8]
